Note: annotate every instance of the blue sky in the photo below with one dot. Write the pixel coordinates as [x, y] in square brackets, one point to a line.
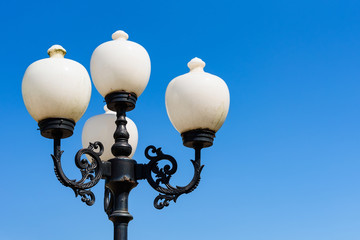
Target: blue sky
[284, 166]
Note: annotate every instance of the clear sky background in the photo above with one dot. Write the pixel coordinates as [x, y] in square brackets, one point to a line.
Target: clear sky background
[284, 166]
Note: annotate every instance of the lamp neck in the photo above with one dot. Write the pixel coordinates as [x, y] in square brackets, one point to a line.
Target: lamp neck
[121, 102]
[121, 146]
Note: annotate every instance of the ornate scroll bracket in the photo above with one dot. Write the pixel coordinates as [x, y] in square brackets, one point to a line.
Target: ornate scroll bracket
[91, 172]
[163, 176]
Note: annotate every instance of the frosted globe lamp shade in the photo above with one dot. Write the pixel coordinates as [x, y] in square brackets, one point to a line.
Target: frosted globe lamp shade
[102, 127]
[197, 100]
[56, 87]
[120, 65]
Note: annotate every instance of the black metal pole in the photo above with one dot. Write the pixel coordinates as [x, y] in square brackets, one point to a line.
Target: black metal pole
[121, 182]
[122, 217]
[120, 231]
[122, 178]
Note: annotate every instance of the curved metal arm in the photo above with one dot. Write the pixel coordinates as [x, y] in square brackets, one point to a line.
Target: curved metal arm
[89, 171]
[164, 174]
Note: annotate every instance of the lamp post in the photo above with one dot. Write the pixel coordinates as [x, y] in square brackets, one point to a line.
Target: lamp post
[56, 92]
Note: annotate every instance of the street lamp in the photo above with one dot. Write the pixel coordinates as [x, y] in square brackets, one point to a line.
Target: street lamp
[56, 92]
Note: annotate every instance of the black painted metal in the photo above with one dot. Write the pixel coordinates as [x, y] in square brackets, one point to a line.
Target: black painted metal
[163, 175]
[56, 127]
[118, 187]
[121, 146]
[106, 170]
[198, 138]
[121, 102]
[140, 171]
[91, 172]
[122, 178]
[122, 98]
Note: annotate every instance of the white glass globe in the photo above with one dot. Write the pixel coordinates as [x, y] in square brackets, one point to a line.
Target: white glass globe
[56, 87]
[102, 127]
[120, 65]
[197, 100]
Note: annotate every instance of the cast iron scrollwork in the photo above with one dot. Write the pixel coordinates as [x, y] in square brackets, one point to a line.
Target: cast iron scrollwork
[163, 175]
[91, 172]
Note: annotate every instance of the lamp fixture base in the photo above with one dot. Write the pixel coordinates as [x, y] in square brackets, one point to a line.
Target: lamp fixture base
[201, 138]
[56, 127]
[121, 98]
